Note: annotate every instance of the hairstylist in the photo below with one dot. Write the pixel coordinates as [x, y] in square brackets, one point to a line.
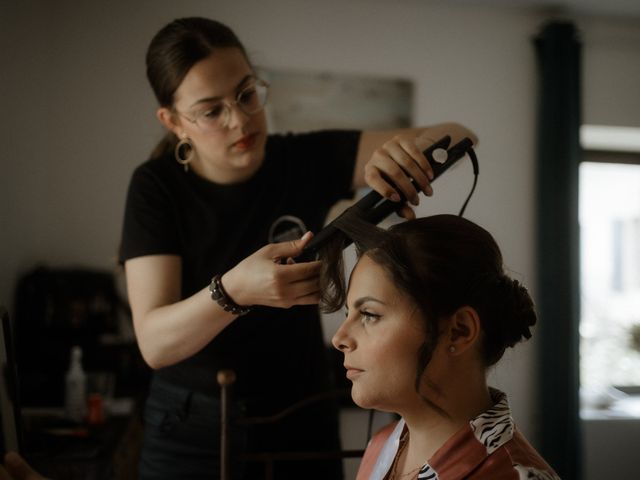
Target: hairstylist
[208, 217]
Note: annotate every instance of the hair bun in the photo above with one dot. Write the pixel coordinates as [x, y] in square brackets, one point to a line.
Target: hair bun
[518, 313]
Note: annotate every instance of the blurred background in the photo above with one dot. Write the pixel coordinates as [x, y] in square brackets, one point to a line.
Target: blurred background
[78, 117]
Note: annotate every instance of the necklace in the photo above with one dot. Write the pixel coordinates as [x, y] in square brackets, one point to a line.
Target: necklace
[393, 475]
[410, 473]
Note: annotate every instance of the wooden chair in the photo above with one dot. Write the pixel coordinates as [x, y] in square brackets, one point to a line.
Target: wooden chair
[10, 413]
[226, 379]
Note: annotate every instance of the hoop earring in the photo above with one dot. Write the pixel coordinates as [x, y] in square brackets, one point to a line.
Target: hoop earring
[184, 153]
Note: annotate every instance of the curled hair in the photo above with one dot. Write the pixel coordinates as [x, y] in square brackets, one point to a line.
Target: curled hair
[443, 263]
[176, 48]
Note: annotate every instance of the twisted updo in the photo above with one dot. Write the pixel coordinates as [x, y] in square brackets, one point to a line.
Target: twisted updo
[443, 262]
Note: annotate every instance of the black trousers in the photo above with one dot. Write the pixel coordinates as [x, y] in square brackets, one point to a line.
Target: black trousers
[182, 438]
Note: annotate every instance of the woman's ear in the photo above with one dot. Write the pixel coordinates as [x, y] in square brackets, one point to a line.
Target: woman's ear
[464, 330]
[168, 119]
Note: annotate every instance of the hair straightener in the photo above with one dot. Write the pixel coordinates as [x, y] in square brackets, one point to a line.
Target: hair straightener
[374, 208]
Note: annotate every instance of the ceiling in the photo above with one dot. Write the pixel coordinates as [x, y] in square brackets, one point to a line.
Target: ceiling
[627, 9]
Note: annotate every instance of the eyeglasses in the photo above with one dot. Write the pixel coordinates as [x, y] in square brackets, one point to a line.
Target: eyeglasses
[250, 100]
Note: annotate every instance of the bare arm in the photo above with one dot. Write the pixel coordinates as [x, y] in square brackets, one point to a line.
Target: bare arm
[169, 329]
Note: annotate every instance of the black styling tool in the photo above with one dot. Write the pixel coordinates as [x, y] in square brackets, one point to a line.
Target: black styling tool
[374, 208]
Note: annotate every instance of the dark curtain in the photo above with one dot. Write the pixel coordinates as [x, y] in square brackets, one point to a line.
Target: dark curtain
[558, 51]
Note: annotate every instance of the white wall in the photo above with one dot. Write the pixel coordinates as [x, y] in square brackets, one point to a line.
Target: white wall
[611, 72]
[77, 115]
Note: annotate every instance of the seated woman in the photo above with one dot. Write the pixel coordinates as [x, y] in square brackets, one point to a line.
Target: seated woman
[429, 310]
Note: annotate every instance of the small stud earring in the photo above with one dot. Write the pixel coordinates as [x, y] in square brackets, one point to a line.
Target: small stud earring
[452, 349]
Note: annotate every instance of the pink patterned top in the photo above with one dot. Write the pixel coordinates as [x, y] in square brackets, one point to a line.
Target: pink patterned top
[489, 447]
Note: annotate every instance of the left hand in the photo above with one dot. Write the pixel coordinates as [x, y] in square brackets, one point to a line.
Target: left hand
[394, 164]
[15, 468]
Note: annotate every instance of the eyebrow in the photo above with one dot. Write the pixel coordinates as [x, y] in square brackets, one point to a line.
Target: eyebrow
[240, 84]
[358, 303]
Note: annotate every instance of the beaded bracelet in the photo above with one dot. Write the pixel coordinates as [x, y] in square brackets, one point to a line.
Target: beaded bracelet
[223, 299]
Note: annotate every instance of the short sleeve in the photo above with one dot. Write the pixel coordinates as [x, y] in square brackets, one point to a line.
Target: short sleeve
[150, 220]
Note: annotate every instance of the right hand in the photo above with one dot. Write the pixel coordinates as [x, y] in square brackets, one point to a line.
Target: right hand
[396, 162]
[261, 278]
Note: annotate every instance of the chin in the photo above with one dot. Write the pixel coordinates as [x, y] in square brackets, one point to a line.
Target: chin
[365, 399]
[376, 399]
[249, 161]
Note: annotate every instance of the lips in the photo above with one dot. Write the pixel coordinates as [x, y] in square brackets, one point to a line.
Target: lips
[352, 372]
[246, 142]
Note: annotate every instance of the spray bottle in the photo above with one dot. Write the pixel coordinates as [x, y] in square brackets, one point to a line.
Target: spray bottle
[75, 387]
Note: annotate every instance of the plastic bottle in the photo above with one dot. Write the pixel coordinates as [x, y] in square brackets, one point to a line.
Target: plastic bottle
[76, 387]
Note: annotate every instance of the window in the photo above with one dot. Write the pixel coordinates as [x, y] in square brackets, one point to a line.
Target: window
[609, 215]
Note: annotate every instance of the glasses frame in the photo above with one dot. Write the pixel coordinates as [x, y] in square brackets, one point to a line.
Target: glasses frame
[257, 82]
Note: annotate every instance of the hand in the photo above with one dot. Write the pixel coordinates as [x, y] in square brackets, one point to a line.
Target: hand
[261, 278]
[395, 163]
[15, 468]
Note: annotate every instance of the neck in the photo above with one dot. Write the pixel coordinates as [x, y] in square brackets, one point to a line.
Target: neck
[461, 399]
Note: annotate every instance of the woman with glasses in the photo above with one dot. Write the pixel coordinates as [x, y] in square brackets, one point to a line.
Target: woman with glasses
[429, 309]
[212, 220]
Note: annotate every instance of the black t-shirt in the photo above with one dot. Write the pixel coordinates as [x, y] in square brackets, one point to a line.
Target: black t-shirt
[212, 227]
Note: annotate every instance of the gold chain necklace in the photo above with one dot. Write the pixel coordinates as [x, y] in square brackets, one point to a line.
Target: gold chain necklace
[393, 475]
[411, 473]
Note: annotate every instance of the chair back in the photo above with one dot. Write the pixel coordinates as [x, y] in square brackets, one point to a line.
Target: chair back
[226, 379]
[10, 417]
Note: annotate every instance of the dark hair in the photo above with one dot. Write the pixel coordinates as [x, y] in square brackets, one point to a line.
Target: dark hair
[174, 50]
[443, 262]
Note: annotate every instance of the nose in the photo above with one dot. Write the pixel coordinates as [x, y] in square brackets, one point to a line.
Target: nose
[342, 340]
[236, 116]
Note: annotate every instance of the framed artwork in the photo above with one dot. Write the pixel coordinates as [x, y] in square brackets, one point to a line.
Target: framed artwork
[305, 101]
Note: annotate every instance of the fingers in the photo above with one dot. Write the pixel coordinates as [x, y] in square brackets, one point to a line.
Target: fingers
[425, 140]
[294, 272]
[19, 469]
[406, 212]
[293, 248]
[273, 283]
[303, 241]
[299, 283]
[3, 474]
[305, 292]
[408, 169]
[294, 286]
[418, 163]
[394, 165]
[310, 299]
